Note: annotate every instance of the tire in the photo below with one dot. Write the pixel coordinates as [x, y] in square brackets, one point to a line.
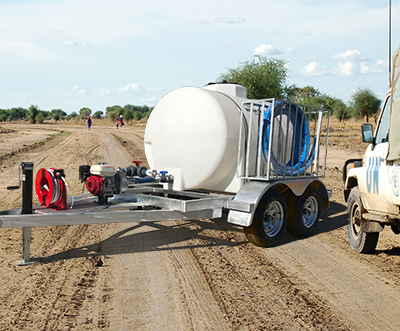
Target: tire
[307, 214]
[270, 220]
[360, 242]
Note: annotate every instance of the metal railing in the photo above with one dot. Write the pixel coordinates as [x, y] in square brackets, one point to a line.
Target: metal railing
[282, 139]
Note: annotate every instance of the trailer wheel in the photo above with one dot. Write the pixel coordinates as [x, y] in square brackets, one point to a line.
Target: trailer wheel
[269, 221]
[360, 242]
[307, 213]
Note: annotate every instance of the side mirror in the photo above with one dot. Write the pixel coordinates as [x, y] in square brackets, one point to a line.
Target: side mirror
[367, 133]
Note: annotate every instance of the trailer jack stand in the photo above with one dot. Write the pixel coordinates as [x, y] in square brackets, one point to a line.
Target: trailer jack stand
[27, 190]
[26, 248]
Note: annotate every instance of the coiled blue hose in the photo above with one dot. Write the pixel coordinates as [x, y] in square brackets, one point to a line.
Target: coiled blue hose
[292, 138]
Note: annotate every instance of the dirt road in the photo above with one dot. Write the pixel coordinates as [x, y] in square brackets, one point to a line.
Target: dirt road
[183, 275]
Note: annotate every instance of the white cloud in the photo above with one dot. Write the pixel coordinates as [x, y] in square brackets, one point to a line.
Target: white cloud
[291, 50]
[105, 91]
[131, 88]
[150, 101]
[350, 55]
[265, 49]
[230, 20]
[350, 63]
[348, 68]
[353, 62]
[82, 92]
[205, 22]
[378, 66]
[314, 68]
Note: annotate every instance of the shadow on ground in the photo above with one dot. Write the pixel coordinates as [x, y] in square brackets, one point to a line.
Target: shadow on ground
[152, 236]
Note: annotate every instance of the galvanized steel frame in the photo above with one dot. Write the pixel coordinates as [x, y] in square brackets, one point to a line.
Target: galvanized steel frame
[263, 168]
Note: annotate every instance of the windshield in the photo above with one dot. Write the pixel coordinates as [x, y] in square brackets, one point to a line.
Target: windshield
[382, 135]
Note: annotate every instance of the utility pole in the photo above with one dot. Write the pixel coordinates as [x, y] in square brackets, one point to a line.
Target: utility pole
[390, 43]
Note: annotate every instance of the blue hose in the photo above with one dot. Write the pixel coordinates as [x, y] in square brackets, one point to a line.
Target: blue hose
[301, 151]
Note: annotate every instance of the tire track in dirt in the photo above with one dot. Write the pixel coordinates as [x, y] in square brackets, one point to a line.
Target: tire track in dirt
[52, 296]
[185, 275]
[255, 293]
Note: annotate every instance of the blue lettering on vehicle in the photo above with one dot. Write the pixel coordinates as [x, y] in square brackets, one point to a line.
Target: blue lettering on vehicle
[395, 182]
[372, 174]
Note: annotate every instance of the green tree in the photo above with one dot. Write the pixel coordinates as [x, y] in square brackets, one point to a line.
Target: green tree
[4, 115]
[98, 114]
[130, 107]
[113, 112]
[18, 113]
[128, 115]
[56, 114]
[112, 115]
[262, 77]
[144, 109]
[365, 103]
[33, 111]
[147, 114]
[72, 115]
[40, 117]
[85, 112]
[340, 110]
[300, 94]
[137, 115]
[116, 109]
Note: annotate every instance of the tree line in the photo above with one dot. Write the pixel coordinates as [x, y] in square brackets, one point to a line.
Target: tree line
[263, 78]
[34, 114]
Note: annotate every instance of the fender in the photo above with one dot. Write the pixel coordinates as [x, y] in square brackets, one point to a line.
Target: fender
[242, 208]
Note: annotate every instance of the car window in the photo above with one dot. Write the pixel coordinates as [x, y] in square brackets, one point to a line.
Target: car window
[382, 134]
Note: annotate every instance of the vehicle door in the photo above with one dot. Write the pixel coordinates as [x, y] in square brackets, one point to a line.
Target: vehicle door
[376, 189]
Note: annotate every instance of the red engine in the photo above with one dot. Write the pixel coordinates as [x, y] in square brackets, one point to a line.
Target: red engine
[95, 184]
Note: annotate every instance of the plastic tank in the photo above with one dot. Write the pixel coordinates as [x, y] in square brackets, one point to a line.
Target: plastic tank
[193, 134]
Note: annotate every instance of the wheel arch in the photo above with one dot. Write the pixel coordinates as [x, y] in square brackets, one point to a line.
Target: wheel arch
[351, 182]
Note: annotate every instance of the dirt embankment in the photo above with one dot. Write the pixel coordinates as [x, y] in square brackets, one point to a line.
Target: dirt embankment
[185, 275]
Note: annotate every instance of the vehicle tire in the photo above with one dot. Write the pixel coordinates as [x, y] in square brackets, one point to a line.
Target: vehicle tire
[307, 214]
[360, 242]
[269, 222]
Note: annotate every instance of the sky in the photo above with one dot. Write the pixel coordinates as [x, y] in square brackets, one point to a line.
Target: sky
[70, 54]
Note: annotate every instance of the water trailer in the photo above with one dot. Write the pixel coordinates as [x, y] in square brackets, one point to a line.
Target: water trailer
[216, 151]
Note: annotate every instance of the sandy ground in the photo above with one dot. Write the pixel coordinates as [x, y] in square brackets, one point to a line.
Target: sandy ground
[181, 275]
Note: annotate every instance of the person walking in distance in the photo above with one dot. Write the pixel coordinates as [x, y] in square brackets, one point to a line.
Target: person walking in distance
[89, 122]
[117, 122]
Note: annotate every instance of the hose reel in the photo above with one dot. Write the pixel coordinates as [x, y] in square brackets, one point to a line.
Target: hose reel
[50, 188]
[292, 150]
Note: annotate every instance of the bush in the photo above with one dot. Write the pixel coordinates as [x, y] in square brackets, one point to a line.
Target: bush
[40, 118]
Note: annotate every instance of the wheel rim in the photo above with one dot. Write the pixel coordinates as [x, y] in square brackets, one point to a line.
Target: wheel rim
[273, 219]
[354, 216]
[310, 211]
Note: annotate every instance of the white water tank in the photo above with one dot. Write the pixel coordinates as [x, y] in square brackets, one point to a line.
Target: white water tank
[193, 134]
